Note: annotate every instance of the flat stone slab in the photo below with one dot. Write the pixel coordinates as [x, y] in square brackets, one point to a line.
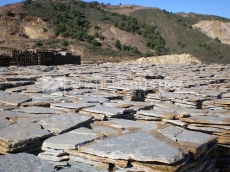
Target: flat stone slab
[76, 106]
[130, 125]
[157, 114]
[20, 134]
[18, 117]
[4, 122]
[207, 120]
[63, 123]
[24, 162]
[80, 167]
[39, 110]
[14, 98]
[226, 95]
[94, 100]
[70, 140]
[140, 146]
[108, 111]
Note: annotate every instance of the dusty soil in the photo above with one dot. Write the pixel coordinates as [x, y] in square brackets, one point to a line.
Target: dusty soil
[167, 59]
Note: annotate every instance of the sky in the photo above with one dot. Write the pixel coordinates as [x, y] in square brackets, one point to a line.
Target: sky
[212, 7]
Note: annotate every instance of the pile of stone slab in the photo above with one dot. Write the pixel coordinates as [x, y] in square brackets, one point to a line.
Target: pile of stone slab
[146, 146]
[118, 117]
[26, 137]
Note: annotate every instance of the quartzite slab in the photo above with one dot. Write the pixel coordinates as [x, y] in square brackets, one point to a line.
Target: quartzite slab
[207, 120]
[62, 123]
[39, 110]
[23, 162]
[140, 146]
[14, 98]
[76, 106]
[20, 134]
[108, 111]
[70, 140]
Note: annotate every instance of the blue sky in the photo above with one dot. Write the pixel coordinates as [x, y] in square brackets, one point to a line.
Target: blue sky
[214, 7]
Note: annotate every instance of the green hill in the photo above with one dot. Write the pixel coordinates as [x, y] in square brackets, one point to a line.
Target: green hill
[164, 32]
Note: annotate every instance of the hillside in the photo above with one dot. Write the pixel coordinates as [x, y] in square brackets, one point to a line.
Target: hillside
[180, 37]
[99, 30]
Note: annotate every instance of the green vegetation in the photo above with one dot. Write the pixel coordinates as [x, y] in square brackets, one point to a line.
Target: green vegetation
[38, 44]
[73, 20]
[65, 43]
[180, 37]
[9, 13]
[170, 34]
[45, 30]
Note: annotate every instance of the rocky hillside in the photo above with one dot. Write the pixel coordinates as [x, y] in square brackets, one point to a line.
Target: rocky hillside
[113, 31]
[215, 29]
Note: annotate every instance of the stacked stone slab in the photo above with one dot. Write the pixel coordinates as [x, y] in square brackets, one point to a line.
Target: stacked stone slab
[26, 137]
[54, 147]
[182, 104]
[148, 148]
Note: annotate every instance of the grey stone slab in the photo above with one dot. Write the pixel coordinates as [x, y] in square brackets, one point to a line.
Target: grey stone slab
[129, 124]
[39, 110]
[108, 111]
[207, 120]
[70, 140]
[53, 158]
[176, 122]
[4, 122]
[80, 167]
[158, 114]
[107, 130]
[226, 95]
[58, 163]
[76, 106]
[138, 146]
[20, 134]
[20, 77]
[63, 123]
[18, 117]
[94, 100]
[24, 162]
[99, 165]
[14, 98]
[57, 154]
[194, 141]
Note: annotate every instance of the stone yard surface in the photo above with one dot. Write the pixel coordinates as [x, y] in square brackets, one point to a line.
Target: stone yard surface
[115, 118]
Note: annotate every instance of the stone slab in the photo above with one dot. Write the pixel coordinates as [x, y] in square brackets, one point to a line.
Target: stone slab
[138, 146]
[70, 140]
[63, 123]
[24, 162]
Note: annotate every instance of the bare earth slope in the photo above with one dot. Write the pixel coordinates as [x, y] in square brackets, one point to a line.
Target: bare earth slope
[110, 32]
[215, 29]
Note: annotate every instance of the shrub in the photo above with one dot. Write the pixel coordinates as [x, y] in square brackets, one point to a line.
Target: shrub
[39, 44]
[45, 30]
[9, 13]
[118, 44]
[64, 43]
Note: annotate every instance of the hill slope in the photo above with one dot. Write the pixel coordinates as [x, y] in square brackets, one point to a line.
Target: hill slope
[104, 30]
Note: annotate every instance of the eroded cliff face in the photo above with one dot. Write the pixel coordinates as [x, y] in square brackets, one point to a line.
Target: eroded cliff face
[22, 26]
[215, 29]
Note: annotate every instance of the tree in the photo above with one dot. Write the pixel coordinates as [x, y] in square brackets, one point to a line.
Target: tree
[118, 44]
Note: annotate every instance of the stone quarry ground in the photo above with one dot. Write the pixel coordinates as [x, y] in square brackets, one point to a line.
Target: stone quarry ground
[115, 117]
